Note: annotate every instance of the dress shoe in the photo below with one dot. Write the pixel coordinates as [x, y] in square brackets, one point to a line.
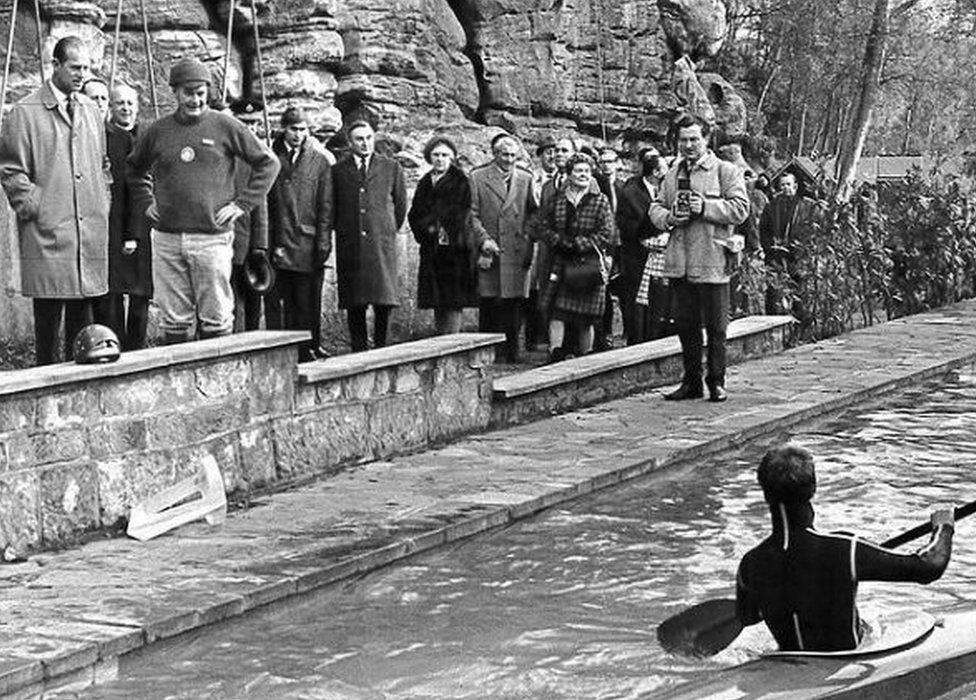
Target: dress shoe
[685, 392]
[717, 393]
[556, 355]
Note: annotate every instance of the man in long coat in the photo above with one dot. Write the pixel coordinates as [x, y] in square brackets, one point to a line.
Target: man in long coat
[56, 176]
[129, 249]
[370, 204]
[501, 194]
[300, 230]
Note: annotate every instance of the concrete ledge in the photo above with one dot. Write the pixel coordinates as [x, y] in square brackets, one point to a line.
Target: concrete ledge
[603, 376]
[387, 510]
[51, 376]
[394, 355]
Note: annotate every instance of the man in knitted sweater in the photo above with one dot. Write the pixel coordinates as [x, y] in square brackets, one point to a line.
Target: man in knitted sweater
[182, 170]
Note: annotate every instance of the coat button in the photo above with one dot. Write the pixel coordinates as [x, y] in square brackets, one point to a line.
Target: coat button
[77, 176]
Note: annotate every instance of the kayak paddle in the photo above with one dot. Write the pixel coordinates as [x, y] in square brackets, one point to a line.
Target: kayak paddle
[707, 628]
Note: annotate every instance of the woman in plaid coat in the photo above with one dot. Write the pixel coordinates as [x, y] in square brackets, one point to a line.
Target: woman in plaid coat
[580, 230]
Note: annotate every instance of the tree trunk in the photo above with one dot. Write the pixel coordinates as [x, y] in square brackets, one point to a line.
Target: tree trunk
[860, 119]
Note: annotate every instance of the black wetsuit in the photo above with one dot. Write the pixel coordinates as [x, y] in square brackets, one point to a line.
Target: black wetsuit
[803, 582]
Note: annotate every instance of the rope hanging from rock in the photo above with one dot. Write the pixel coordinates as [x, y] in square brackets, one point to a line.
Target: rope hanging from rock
[40, 40]
[115, 46]
[230, 31]
[150, 67]
[599, 68]
[257, 48]
[6, 60]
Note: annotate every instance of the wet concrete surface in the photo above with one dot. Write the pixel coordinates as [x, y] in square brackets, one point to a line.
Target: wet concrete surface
[65, 616]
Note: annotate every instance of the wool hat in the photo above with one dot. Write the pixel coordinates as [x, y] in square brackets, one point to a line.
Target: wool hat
[293, 115]
[189, 70]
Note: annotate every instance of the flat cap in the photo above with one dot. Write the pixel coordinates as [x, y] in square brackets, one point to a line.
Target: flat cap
[545, 144]
[293, 115]
[189, 70]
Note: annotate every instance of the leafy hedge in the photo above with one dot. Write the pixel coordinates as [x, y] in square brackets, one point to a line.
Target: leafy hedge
[909, 248]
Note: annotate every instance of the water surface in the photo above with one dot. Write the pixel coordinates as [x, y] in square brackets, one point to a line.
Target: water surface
[565, 605]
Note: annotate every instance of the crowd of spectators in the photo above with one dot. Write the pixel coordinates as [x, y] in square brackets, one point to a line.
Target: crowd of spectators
[198, 214]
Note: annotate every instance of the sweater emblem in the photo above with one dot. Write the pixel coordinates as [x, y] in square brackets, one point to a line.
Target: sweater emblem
[187, 154]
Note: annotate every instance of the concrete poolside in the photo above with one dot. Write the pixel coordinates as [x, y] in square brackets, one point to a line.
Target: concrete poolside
[68, 615]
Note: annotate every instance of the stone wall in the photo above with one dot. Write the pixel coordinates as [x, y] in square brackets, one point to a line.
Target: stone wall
[80, 444]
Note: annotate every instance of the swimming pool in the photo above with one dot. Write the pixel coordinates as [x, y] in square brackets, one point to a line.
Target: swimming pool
[565, 605]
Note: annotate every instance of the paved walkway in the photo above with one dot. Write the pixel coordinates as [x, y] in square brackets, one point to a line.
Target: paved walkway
[68, 615]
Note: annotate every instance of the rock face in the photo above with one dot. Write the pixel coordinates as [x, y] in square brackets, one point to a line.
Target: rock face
[602, 67]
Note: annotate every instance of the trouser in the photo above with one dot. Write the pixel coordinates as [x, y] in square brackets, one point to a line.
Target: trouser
[191, 280]
[535, 323]
[356, 317]
[697, 305]
[497, 315]
[247, 302]
[129, 324]
[604, 329]
[77, 314]
[295, 304]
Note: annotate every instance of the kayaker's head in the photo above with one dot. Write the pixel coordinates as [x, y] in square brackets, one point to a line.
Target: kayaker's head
[787, 476]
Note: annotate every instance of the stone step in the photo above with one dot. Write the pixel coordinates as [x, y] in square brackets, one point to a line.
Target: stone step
[584, 381]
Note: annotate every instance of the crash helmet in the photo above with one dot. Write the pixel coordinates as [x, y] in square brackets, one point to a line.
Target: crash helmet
[259, 273]
[96, 343]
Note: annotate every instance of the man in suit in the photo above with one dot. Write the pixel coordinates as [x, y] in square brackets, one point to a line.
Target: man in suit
[369, 198]
[500, 197]
[56, 136]
[300, 218]
[130, 252]
[637, 235]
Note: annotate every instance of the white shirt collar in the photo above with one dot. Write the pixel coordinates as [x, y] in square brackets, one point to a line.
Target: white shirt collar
[61, 97]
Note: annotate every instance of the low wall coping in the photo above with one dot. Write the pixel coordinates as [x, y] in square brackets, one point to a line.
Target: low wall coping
[560, 373]
[393, 355]
[136, 361]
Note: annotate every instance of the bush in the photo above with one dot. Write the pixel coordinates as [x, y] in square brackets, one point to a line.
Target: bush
[910, 249]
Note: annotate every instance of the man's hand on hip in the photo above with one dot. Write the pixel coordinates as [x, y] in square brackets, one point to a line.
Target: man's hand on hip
[228, 214]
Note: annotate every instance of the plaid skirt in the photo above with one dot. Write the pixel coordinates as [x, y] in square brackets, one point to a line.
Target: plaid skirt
[654, 267]
[558, 302]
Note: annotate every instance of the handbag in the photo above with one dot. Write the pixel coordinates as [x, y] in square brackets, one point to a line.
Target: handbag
[585, 272]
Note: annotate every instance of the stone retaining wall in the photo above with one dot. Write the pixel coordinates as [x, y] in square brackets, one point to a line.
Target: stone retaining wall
[80, 444]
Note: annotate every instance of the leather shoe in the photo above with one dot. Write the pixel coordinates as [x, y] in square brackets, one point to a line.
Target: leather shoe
[717, 393]
[685, 392]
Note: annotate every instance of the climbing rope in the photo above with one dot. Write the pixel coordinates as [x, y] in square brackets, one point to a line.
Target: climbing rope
[6, 61]
[150, 68]
[257, 47]
[598, 5]
[40, 40]
[115, 46]
[230, 31]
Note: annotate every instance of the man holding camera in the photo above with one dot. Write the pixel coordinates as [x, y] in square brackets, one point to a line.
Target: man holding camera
[700, 202]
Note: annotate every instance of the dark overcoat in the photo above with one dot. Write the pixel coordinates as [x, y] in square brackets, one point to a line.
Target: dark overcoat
[440, 218]
[300, 209]
[368, 213]
[127, 274]
[59, 193]
[634, 224]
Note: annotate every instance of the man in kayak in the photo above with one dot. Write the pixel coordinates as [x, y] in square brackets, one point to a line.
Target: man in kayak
[803, 582]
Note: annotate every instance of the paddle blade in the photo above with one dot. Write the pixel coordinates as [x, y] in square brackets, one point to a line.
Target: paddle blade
[702, 630]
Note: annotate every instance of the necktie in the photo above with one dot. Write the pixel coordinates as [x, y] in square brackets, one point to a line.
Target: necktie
[362, 168]
[69, 105]
[559, 181]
